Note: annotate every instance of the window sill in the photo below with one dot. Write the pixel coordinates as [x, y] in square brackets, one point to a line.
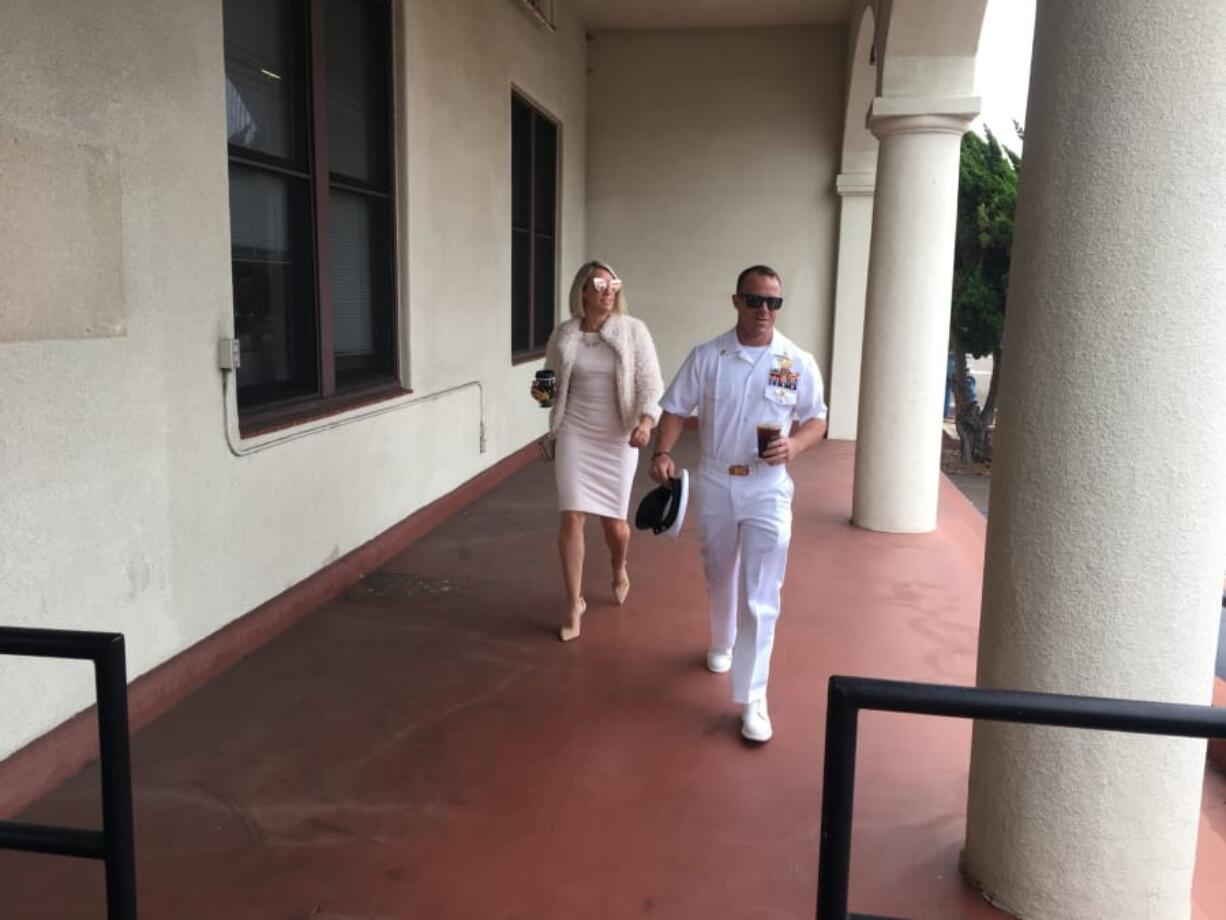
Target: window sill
[266, 432]
[525, 357]
[269, 421]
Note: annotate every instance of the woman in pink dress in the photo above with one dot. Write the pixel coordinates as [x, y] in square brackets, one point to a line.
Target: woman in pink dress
[608, 390]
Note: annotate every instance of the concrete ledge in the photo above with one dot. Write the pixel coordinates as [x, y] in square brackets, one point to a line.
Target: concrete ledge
[48, 761]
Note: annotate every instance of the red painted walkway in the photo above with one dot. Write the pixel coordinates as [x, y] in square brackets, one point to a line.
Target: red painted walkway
[424, 747]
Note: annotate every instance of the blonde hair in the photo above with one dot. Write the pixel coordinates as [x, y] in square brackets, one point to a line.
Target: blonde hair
[586, 270]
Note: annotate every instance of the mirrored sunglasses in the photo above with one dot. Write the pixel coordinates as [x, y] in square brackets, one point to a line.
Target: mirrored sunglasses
[754, 301]
[600, 285]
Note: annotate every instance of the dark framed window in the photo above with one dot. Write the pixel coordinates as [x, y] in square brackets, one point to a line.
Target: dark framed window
[534, 220]
[309, 127]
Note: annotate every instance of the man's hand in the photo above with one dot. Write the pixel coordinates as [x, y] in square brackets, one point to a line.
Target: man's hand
[783, 450]
[779, 452]
[640, 434]
[662, 468]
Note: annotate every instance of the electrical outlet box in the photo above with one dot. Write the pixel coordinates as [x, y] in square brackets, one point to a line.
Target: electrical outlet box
[229, 356]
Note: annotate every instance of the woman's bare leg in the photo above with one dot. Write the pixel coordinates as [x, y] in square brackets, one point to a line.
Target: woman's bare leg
[617, 536]
[570, 550]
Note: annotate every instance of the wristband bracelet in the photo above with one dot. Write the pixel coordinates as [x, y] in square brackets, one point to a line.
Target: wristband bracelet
[660, 453]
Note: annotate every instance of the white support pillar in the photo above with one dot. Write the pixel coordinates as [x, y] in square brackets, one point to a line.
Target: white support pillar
[855, 234]
[906, 331]
[1107, 537]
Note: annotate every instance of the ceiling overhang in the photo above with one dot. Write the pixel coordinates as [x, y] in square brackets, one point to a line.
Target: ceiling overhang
[600, 15]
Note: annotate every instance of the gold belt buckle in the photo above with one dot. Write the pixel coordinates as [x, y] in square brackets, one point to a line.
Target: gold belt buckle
[738, 470]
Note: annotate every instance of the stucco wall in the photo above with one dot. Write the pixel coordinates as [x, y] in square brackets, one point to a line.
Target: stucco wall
[121, 506]
[710, 150]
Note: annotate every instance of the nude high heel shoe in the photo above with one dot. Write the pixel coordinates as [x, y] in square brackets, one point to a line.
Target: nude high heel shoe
[621, 587]
[570, 630]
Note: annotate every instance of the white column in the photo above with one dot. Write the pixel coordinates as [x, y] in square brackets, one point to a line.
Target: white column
[906, 331]
[1107, 537]
[851, 284]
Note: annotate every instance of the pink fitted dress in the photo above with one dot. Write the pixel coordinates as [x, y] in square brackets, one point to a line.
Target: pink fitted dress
[594, 463]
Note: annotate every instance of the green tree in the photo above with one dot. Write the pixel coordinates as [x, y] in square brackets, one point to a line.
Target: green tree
[987, 200]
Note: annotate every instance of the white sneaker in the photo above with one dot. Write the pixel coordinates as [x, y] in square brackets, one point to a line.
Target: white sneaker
[719, 660]
[756, 724]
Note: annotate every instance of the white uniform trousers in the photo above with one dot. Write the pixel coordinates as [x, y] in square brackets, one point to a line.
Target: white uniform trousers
[746, 524]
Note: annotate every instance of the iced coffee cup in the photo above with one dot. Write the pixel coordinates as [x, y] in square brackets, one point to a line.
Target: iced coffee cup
[767, 432]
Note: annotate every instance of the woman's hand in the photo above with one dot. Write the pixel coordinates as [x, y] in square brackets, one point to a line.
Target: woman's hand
[640, 434]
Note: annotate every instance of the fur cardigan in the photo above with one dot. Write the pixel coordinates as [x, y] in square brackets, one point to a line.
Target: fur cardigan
[639, 384]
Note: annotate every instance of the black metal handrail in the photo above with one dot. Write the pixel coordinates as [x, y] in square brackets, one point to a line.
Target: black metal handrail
[114, 844]
[849, 695]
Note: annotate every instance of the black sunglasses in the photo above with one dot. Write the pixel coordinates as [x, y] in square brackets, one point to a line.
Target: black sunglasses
[754, 301]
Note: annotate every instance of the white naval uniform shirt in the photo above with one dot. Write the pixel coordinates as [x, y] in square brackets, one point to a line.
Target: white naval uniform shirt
[733, 393]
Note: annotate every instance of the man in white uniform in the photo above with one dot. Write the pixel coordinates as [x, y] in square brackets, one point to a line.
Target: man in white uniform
[748, 376]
